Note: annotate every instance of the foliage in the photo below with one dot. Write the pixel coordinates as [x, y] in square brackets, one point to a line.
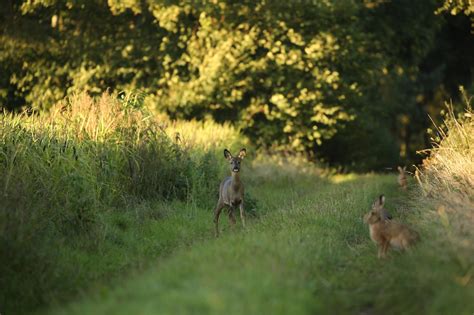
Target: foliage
[288, 81]
[455, 7]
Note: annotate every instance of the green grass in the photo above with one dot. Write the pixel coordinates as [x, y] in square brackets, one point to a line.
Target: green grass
[85, 180]
[308, 252]
[106, 211]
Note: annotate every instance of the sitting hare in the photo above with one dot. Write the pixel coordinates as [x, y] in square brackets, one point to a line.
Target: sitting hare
[402, 178]
[388, 233]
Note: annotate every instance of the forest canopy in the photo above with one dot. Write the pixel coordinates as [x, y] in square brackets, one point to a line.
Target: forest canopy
[348, 82]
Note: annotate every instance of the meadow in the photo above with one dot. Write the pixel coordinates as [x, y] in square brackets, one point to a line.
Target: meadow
[114, 117]
[309, 252]
[76, 183]
[107, 209]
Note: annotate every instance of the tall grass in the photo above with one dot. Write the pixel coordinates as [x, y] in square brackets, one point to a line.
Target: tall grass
[207, 135]
[64, 172]
[447, 183]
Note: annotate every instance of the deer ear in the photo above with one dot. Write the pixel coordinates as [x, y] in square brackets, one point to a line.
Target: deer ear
[242, 153]
[404, 168]
[227, 154]
[399, 168]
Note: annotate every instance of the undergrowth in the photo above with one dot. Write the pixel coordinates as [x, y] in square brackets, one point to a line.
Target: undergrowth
[68, 174]
[446, 180]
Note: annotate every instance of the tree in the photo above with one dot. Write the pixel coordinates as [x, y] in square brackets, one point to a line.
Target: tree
[341, 80]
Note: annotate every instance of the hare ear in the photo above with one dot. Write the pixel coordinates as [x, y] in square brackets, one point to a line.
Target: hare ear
[382, 200]
[399, 168]
[404, 168]
[227, 154]
[242, 153]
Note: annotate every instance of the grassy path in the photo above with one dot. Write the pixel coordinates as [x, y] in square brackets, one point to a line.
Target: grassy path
[308, 252]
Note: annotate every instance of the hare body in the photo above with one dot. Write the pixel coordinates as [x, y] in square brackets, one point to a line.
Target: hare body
[402, 178]
[390, 234]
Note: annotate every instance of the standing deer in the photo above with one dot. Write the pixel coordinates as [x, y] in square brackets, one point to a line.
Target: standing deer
[402, 178]
[231, 190]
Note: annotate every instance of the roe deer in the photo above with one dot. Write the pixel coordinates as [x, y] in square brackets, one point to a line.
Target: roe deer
[402, 178]
[389, 233]
[231, 191]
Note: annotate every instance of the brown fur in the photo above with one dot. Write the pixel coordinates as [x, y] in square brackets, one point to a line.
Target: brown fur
[231, 191]
[389, 233]
[402, 178]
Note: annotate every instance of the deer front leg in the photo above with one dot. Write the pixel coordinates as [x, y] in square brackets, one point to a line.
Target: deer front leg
[217, 212]
[242, 215]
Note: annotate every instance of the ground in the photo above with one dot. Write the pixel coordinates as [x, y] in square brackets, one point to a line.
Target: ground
[307, 251]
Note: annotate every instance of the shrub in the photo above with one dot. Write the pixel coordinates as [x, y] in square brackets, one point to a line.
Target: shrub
[447, 182]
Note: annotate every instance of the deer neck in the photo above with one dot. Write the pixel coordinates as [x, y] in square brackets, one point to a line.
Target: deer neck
[235, 179]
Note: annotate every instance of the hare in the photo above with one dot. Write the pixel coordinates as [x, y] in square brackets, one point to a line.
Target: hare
[402, 178]
[389, 233]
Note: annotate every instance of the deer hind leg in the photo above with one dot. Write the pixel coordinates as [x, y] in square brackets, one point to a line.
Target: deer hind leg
[231, 216]
[217, 213]
[242, 214]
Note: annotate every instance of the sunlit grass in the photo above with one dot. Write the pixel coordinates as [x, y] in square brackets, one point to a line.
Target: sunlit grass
[447, 184]
[72, 175]
[108, 210]
[206, 134]
[309, 253]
